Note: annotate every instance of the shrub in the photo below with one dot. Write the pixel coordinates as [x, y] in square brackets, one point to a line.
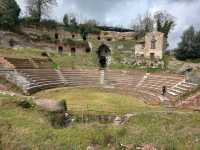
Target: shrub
[26, 104]
[57, 119]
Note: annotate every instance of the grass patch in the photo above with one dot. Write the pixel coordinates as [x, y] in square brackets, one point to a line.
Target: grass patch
[22, 53]
[30, 129]
[82, 60]
[97, 100]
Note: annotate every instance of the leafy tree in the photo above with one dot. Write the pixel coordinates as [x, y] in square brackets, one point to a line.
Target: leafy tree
[73, 25]
[164, 22]
[189, 47]
[88, 27]
[39, 8]
[9, 13]
[66, 20]
[73, 21]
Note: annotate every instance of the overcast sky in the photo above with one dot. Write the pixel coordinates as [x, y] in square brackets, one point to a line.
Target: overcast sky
[124, 12]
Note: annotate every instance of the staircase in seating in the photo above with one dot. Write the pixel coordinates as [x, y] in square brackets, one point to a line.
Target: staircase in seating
[181, 88]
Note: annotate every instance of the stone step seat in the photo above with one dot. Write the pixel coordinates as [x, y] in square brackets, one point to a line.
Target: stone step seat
[123, 80]
[149, 96]
[124, 72]
[122, 76]
[161, 80]
[123, 86]
[37, 70]
[79, 70]
[172, 93]
[32, 82]
[155, 85]
[40, 75]
[166, 77]
[44, 82]
[185, 85]
[176, 91]
[171, 96]
[43, 87]
[78, 74]
[81, 76]
[153, 89]
[71, 80]
[181, 88]
[164, 81]
[169, 84]
[86, 81]
[20, 63]
[23, 66]
[190, 83]
[80, 83]
[123, 83]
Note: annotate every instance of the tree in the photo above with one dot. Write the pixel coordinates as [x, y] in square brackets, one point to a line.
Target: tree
[189, 47]
[164, 22]
[73, 21]
[39, 8]
[89, 26]
[144, 24]
[66, 20]
[9, 14]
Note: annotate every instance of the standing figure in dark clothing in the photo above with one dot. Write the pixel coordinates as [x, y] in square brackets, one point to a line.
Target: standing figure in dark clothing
[164, 90]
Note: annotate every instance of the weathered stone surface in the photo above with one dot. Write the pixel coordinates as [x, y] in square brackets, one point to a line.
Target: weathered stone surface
[117, 120]
[51, 105]
[3, 87]
[145, 49]
[91, 148]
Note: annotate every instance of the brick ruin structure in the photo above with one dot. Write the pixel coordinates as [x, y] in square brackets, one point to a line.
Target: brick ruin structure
[151, 48]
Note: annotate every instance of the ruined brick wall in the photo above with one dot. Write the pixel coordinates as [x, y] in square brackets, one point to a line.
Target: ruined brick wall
[139, 50]
[159, 44]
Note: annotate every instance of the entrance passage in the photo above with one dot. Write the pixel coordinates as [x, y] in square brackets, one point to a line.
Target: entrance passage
[73, 51]
[103, 53]
[152, 56]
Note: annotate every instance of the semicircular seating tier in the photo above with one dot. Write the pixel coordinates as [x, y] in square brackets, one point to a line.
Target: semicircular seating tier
[35, 74]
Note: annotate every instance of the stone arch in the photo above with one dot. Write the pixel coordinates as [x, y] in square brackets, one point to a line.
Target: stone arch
[103, 54]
